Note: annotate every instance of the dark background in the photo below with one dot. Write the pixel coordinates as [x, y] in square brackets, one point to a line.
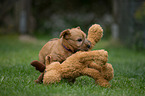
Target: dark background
[122, 20]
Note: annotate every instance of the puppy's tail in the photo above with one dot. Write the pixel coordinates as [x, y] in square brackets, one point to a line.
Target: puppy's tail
[38, 65]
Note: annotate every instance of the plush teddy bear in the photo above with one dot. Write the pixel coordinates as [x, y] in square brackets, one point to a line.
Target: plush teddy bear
[75, 66]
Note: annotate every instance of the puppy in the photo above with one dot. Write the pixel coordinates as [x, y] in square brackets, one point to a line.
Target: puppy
[71, 41]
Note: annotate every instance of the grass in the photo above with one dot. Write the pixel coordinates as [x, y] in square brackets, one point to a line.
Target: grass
[17, 76]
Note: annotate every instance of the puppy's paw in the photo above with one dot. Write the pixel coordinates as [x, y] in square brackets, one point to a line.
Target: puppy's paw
[37, 81]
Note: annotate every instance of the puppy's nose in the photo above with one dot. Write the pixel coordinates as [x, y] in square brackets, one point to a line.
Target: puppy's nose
[88, 46]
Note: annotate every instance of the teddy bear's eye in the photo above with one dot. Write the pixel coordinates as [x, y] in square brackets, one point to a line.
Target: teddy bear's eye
[79, 40]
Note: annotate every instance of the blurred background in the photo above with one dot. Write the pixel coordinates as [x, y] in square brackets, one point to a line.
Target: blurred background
[122, 20]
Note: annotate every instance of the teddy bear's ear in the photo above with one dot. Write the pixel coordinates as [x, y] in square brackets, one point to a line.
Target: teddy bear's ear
[66, 34]
[48, 59]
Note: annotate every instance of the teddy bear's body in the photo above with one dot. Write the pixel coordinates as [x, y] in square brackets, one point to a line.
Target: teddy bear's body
[75, 66]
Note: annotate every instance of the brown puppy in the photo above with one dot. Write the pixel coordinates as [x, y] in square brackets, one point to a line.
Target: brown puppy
[71, 41]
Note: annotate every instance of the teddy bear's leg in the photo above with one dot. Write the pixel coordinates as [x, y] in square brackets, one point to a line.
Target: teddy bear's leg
[99, 55]
[92, 64]
[107, 71]
[51, 76]
[97, 76]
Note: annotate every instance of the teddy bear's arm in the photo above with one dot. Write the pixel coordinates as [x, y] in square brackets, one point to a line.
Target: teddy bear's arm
[95, 34]
[99, 55]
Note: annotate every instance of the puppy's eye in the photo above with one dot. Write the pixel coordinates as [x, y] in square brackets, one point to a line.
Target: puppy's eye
[79, 40]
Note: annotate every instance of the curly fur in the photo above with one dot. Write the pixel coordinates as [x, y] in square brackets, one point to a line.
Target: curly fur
[75, 66]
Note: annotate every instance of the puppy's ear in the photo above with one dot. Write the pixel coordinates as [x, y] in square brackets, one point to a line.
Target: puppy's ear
[66, 34]
[48, 59]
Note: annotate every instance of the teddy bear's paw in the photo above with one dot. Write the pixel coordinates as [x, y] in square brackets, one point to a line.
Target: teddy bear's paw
[103, 53]
[107, 85]
[103, 83]
[96, 28]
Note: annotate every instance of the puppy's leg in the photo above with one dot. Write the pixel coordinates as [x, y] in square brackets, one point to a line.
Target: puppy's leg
[96, 75]
[40, 67]
[40, 78]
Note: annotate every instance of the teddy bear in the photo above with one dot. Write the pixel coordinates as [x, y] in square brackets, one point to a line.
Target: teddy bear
[75, 66]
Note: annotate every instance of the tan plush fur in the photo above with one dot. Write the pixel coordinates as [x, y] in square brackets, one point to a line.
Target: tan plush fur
[75, 66]
[95, 34]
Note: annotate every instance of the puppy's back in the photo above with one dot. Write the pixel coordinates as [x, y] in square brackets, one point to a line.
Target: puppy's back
[47, 49]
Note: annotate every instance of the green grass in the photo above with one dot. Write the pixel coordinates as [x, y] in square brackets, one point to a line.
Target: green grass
[17, 76]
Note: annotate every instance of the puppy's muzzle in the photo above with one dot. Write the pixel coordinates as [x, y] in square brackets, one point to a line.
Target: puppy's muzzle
[88, 46]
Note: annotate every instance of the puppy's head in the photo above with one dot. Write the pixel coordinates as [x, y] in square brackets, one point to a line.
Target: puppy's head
[75, 39]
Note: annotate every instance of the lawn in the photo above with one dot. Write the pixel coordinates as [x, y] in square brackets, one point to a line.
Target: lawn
[17, 76]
